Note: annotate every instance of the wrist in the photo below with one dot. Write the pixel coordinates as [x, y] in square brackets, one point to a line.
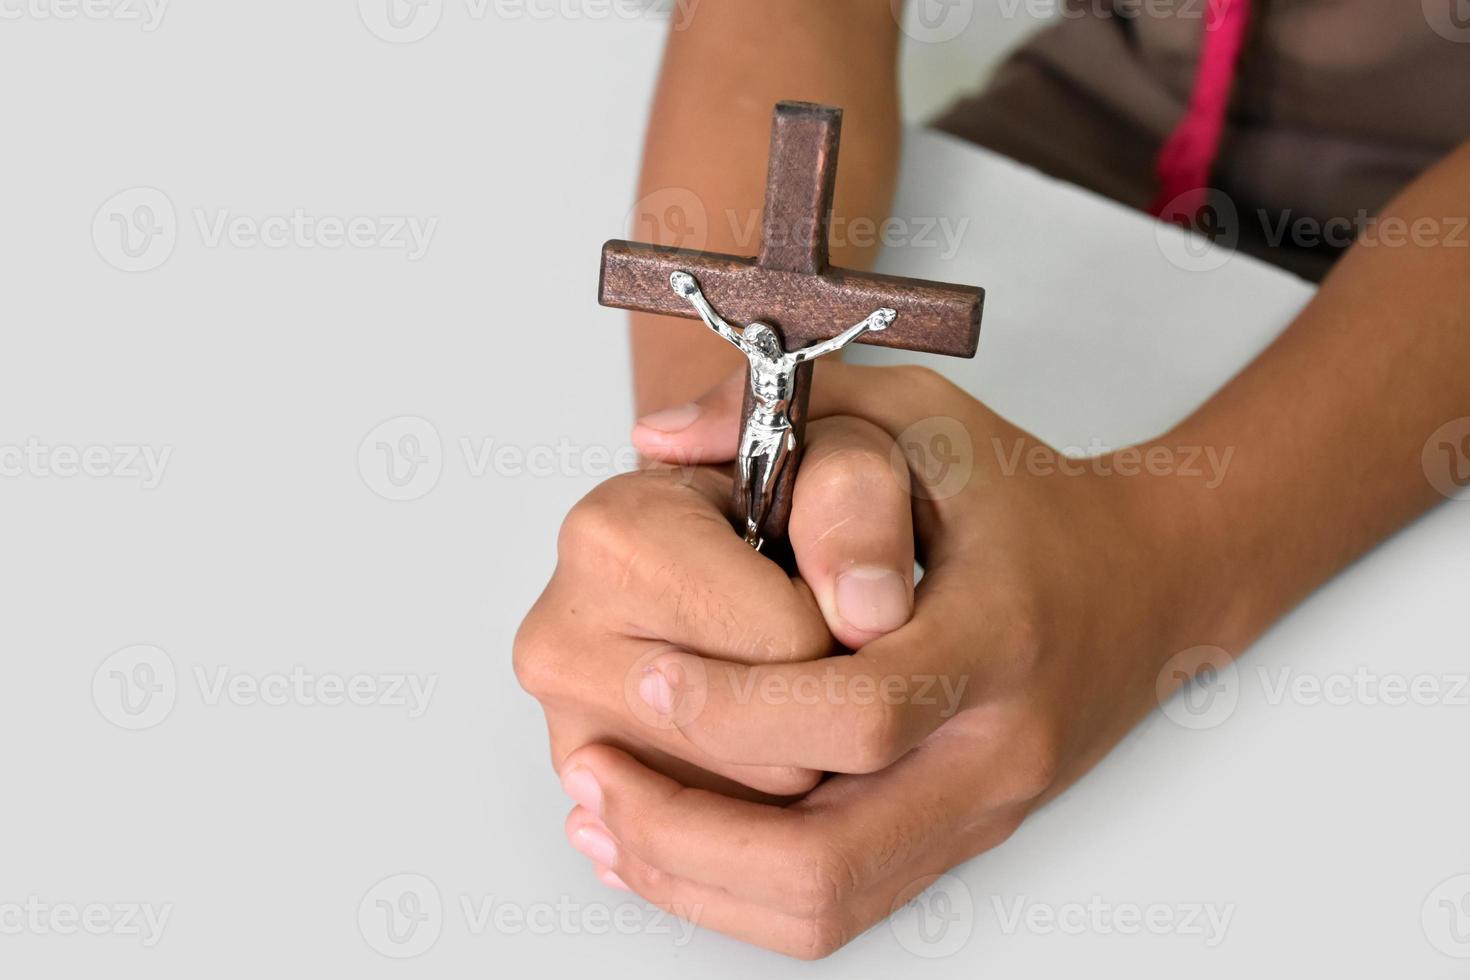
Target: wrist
[1177, 527]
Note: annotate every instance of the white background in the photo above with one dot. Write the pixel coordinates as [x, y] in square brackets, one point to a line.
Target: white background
[267, 545]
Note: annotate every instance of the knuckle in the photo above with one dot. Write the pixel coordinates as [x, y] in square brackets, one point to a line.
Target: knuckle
[849, 474]
[787, 781]
[1021, 648]
[804, 638]
[876, 737]
[530, 657]
[821, 937]
[856, 452]
[597, 522]
[925, 381]
[823, 879]
[1033, 762]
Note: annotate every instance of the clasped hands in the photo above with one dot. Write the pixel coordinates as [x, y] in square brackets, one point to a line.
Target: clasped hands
[789, 759]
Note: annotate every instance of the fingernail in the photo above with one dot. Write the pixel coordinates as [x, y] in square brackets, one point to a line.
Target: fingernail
[874, 600]
[670, 420]
[596, 844]
[582, 786]
[656, 691]
[610, 878]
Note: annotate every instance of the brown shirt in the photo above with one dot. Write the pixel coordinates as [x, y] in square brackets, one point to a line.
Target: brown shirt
[1337, 105]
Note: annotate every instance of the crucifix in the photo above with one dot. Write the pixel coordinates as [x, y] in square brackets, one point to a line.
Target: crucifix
[788, 292]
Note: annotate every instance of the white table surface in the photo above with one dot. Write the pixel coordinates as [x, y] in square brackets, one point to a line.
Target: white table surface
[1322, 830]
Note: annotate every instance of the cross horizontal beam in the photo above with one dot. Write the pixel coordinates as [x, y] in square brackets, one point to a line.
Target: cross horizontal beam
[937, 318]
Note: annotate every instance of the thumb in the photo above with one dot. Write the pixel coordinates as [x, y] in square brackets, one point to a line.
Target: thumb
[703, 431]
[852, 529]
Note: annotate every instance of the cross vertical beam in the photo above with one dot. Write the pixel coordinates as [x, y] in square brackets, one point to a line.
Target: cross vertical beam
[800, 183]
[790, 284]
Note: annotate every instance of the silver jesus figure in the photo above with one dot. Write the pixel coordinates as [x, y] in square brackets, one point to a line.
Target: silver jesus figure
[767, 439]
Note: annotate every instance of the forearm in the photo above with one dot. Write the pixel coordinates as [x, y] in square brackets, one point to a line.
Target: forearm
[1327, 427]
[708, 135]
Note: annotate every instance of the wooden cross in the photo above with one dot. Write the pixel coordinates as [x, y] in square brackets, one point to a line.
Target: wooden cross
[790, 285]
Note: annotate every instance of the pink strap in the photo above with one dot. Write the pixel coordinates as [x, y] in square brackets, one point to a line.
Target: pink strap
[1187, 159]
